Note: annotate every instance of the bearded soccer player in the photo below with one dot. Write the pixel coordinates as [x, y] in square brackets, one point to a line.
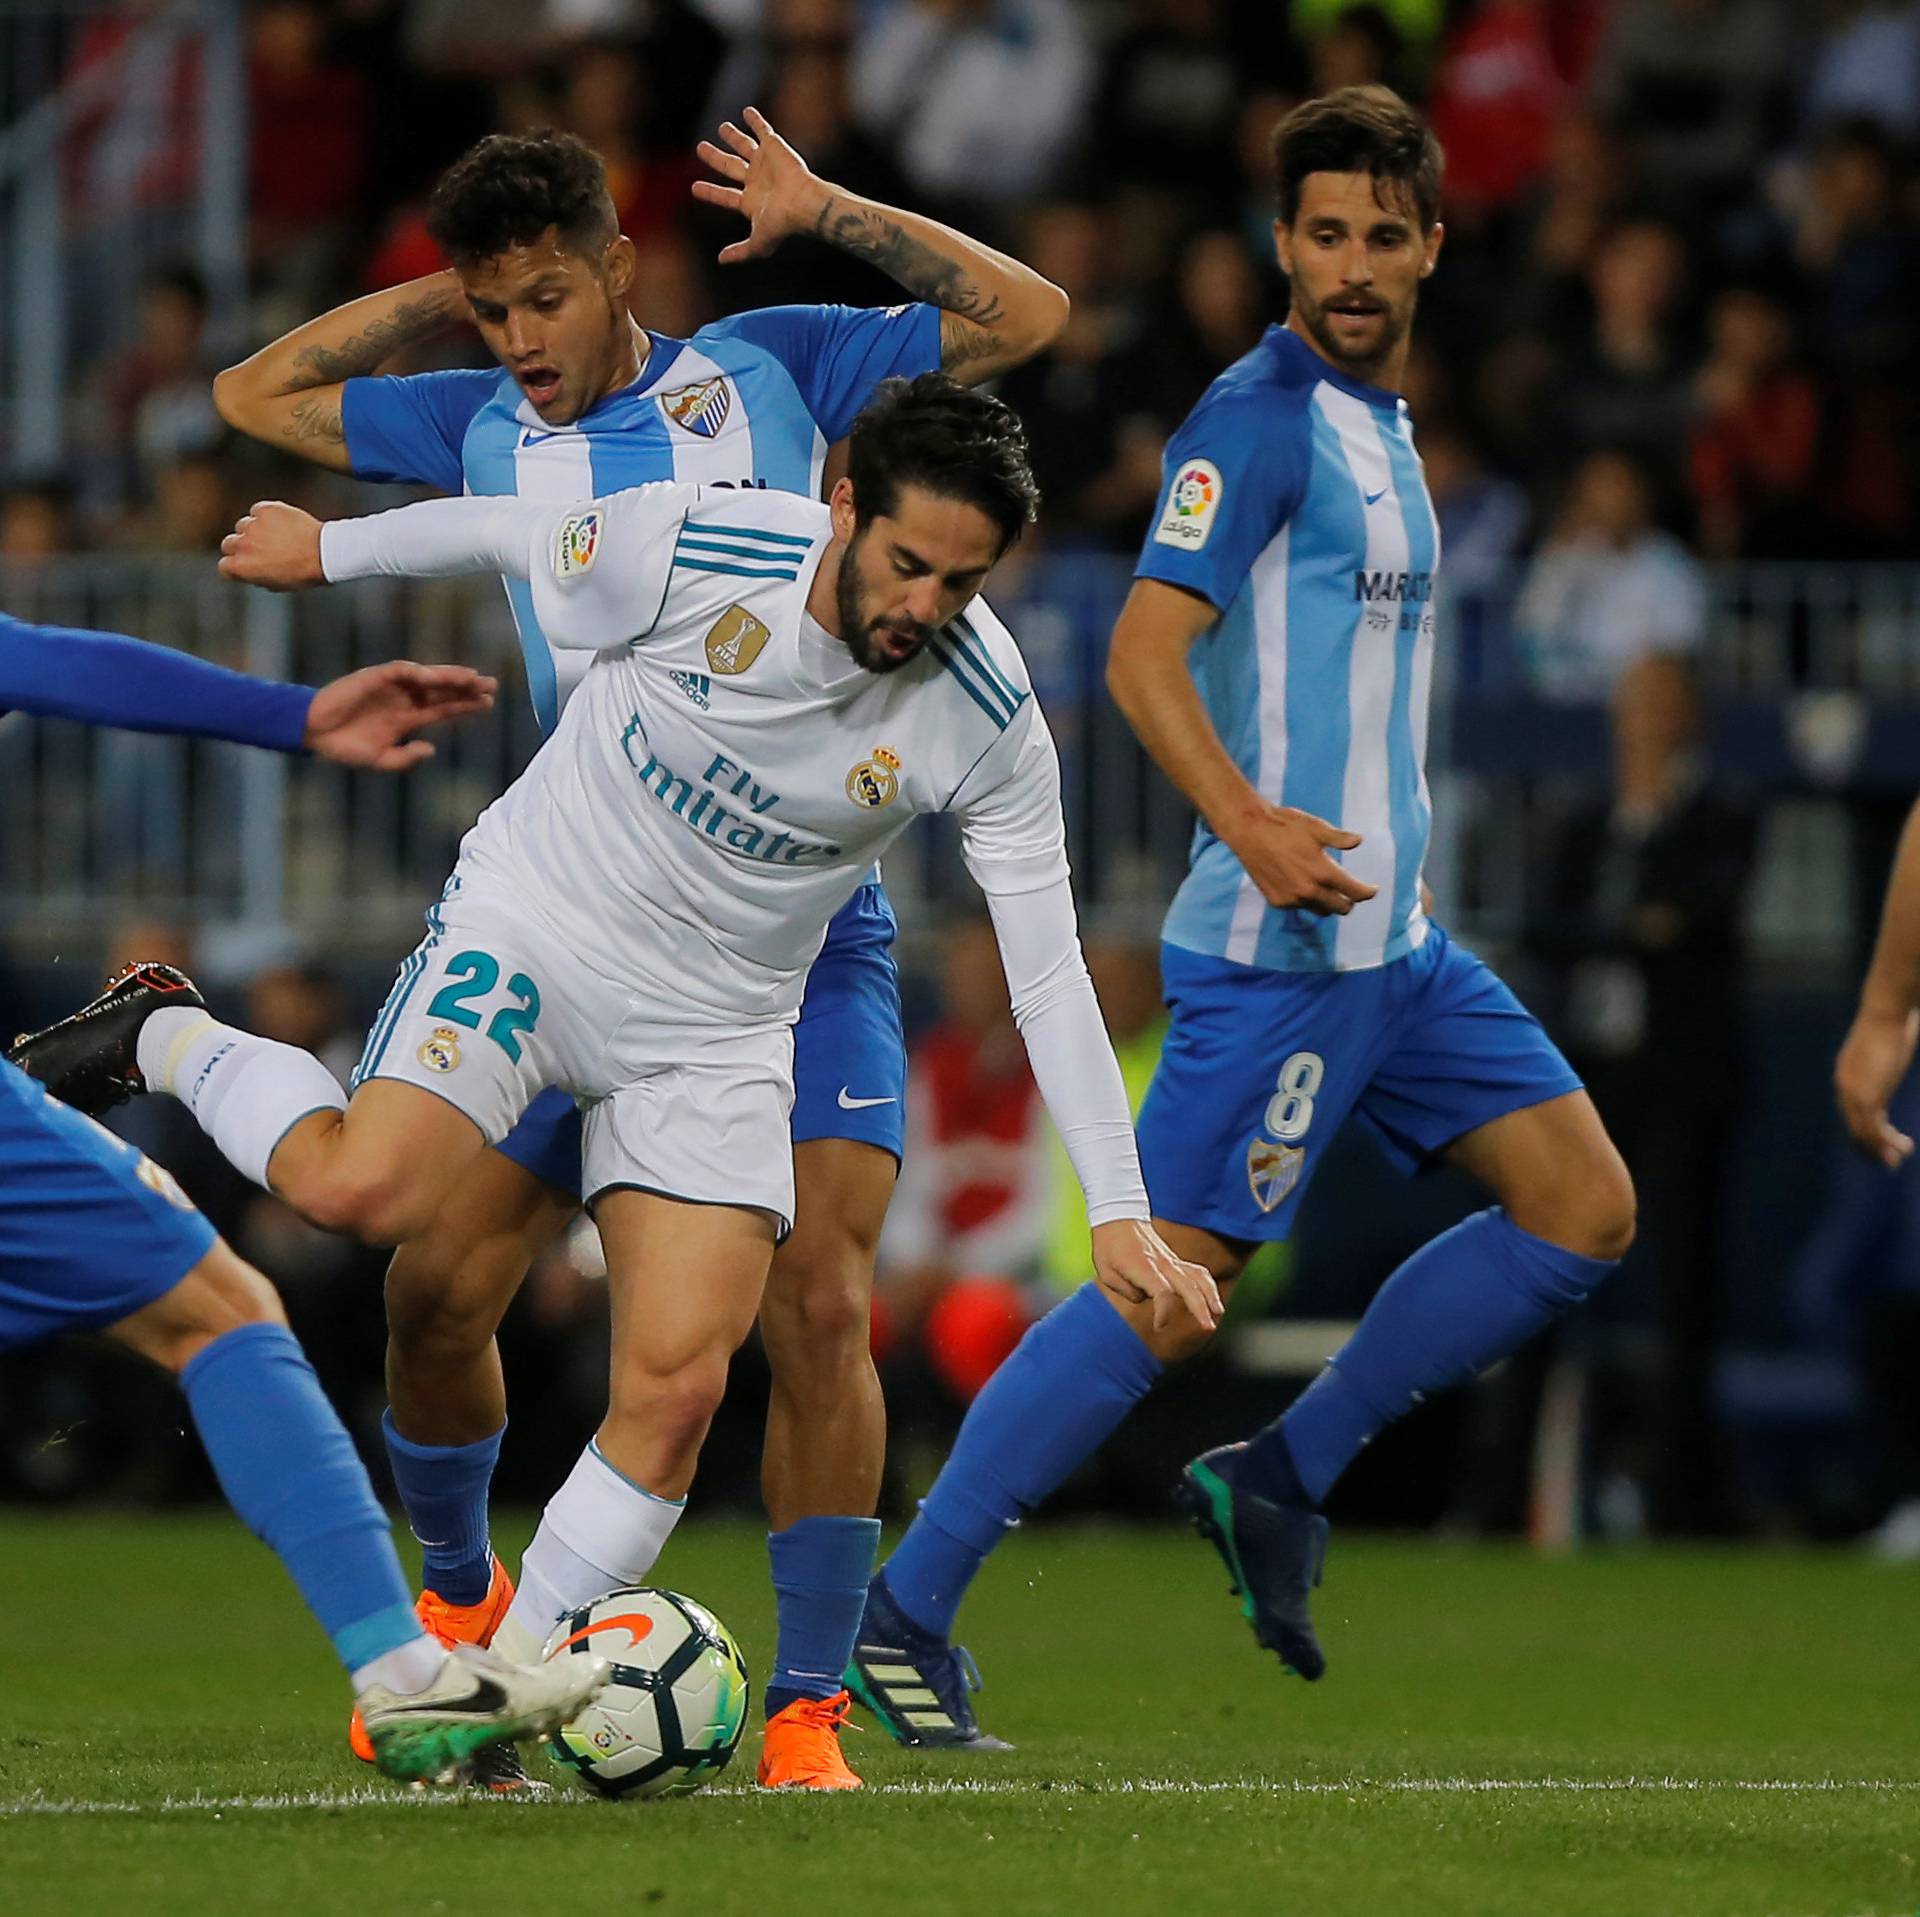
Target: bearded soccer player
[588, 402]
[1274, 657]
[96, 1238]
[778, 688]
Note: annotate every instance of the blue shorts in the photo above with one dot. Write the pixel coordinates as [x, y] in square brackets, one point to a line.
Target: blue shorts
[90, 1231]
[849, 1054]
[1261, 1068]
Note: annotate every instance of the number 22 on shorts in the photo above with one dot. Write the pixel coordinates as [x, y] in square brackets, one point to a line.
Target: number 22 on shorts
[474, 975]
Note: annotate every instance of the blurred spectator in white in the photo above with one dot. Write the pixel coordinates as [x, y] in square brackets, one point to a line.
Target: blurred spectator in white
[1698, 90]
[1866, 65]
[979, 98]
[1607, 587]
[1757, 433]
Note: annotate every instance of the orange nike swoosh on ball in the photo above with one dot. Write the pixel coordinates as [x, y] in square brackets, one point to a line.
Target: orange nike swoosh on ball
[638, 1624]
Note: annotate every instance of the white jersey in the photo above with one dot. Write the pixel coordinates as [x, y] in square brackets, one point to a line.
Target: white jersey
[726, 775]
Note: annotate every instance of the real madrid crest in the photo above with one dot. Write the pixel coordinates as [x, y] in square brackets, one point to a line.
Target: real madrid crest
[1273, 1171]
[734, 641]
[441, 1052]
[873, 782]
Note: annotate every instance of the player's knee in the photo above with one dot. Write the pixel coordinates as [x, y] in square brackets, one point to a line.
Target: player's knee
[222, 1293]
[662, 1414]
[1593, 1212]
[442, 1301]
[377, 1204]
[816, 1317]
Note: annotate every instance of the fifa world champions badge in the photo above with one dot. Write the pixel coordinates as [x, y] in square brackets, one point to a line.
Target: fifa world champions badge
[1193, 501]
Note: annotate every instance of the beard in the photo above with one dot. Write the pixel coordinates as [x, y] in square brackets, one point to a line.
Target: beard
[859, 632]
[1393, 329]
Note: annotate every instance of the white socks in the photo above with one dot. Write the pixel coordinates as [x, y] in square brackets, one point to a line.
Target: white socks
[246, 1092]
[599, 1531]
[410, 1667]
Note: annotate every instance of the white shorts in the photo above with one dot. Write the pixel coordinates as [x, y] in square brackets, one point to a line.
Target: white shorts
[491, 1009]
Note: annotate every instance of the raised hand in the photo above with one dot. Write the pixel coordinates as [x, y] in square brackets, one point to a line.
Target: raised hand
[274, 545]
[770, 186]
[369, 718]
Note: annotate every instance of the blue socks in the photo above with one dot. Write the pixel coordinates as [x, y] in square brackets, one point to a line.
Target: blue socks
[293, 1477]
[444, 1490]
[1054, 1402]
[1458, 1305]
[820, 1571]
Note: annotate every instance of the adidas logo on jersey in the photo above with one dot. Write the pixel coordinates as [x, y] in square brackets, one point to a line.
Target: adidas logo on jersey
[696, 685]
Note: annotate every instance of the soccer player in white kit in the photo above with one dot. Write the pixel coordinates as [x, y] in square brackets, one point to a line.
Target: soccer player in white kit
[780, 687]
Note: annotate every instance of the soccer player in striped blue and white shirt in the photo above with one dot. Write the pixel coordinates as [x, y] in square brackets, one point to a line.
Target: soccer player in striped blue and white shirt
[1275, 657]
[585, 403]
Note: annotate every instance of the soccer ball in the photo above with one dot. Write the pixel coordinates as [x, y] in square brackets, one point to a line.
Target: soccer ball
[671, 1716]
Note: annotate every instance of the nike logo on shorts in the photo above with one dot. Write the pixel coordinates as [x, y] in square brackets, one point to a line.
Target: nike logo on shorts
[850, 1104]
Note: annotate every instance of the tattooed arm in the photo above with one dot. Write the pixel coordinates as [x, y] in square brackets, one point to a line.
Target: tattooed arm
[994, 312]
[288, 394]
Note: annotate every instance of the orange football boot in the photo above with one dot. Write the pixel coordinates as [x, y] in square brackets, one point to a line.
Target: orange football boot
[801, 1750]
[452, 1624]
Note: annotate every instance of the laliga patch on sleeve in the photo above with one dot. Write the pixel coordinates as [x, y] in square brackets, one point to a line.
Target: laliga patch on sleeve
[576, 544]
[1193, 501]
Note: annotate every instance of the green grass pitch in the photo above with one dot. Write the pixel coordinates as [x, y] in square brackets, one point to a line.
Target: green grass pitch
[1618, 1734]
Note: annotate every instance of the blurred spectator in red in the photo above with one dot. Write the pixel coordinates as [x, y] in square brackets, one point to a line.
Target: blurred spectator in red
[974, 1190]
[980, 99]
[1496, 100]
[308, 114]
[1752, 456]
[1607, 587]
[1698, 88]
[605, 97]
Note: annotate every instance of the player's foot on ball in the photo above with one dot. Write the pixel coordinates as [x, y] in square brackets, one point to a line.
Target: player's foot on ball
[1273, 1553]
[89, 1059]
[801, 1749]
[451, 1624]
[477, 1701]
[919, 1686]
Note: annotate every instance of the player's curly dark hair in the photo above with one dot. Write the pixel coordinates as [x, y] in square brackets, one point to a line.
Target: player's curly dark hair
[1358, 130]
[936, 433]
[511, 187]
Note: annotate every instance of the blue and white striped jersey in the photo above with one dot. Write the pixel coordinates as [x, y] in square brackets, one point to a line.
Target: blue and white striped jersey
[1293, 501]
[754, 400]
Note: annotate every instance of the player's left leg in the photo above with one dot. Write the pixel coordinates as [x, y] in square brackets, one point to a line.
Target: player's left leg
[826, 1419]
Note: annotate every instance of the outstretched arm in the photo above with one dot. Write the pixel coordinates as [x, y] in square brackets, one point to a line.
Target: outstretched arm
[289, 394]
[366, 718]
[995, 312]
[1879, 1048]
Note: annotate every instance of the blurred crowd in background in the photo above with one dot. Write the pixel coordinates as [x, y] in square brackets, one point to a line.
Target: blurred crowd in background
[1675, 330]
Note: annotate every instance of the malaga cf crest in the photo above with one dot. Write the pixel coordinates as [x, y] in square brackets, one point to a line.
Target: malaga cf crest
[700, 409]
[1273, 1171]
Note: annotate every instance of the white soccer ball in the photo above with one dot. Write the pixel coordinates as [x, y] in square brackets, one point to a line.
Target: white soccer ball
[671, 1716]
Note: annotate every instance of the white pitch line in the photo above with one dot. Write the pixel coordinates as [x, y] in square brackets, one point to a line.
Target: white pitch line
[375, 1799]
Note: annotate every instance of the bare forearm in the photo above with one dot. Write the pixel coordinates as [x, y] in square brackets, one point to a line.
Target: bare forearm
[288, 392]
[997, 311]
[1893, 980]
[1153, 688]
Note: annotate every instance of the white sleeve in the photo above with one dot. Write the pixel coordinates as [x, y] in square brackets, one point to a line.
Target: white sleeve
[599, 570]
[1014, 840]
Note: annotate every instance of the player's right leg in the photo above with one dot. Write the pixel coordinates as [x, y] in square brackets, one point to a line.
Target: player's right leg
[95, 1237]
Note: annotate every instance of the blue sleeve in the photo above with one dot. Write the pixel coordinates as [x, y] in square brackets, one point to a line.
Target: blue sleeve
[410, 430]
[1232, 476]
[103, 679]
[839, 354]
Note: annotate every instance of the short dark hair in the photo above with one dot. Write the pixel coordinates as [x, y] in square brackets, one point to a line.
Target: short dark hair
[1358, 130]
[936, 433]
[511, 187]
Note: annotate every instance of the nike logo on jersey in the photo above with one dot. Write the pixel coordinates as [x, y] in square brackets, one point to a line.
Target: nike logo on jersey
[850, 1104]
[528, 437]
[1373, 499]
